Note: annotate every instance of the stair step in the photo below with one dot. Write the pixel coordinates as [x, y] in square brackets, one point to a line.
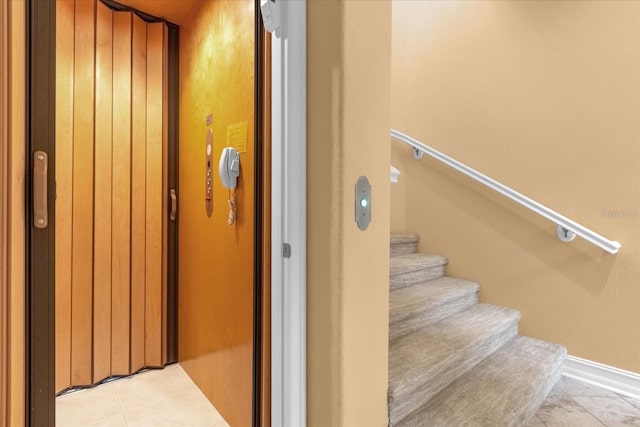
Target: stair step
[504, 390]
[424, 303]
[405, 270]
[404, 243]
[424, 362]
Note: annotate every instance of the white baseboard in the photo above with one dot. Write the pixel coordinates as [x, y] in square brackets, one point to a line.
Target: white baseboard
[607, 377]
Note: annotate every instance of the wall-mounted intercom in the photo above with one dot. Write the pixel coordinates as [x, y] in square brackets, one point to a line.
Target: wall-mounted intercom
[229, 169]
[270, 11]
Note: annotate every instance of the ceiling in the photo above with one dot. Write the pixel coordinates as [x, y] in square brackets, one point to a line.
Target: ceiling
[176, 11]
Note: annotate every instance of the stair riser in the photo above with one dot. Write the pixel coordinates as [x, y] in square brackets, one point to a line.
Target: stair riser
[404, 248]
[505, 391]
[536, 401]
[429, 316]
[403, 401]
[405, 279]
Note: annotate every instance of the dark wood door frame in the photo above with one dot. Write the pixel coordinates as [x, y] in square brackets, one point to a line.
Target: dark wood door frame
[263, 289]
[262, 226]
[40, 243]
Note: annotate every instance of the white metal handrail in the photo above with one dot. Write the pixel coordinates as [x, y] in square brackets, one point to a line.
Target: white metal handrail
[567, 229]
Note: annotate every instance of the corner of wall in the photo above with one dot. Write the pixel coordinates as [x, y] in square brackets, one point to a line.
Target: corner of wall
[347, 280]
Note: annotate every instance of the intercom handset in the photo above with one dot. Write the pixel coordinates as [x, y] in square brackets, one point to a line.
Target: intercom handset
[270, 11]
[229, 170]
[229, 167]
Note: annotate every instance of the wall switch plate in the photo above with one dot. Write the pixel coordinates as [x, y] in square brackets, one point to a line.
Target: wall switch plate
[363, 203]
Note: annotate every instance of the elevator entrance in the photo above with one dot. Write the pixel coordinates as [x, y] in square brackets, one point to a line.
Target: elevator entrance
[219, 274]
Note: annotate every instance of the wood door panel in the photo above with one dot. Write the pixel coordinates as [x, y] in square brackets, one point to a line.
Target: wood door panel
[121, 225]
[103, 181]
[82, 238]
[169, 175]
[265, 380]
[4, 213]
[112, 176]
[138, 191]
[154, 202]
[65, 12]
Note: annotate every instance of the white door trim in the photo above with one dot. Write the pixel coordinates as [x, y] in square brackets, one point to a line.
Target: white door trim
[289, 217]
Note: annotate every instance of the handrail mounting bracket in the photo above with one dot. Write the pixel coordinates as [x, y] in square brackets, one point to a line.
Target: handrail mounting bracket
[564, 234]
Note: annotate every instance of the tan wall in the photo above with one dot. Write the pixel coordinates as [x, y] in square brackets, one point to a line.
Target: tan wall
[216, 260]
[348, 75]
[545, 97]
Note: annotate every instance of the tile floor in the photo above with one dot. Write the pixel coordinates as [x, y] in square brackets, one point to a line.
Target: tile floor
[576, 404]
[169, 398]
[153, 398]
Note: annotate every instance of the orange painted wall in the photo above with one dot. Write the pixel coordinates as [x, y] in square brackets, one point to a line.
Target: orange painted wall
[216, 259]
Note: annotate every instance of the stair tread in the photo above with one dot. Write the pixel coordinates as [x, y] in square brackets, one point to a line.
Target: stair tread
[399, 238]
[503, 390]
[414, 262]
[411, 300]
[427, 352]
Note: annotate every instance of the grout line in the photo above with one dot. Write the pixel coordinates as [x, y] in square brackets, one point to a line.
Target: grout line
[540, 419]
[634, 402]
[589, 412]
[118, 400]
[577, 404]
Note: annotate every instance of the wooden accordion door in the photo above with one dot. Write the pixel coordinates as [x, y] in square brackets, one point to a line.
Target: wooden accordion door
[111, 172]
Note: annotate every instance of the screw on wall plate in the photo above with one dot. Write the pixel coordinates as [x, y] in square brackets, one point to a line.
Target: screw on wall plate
[564, 234]
[417, 154]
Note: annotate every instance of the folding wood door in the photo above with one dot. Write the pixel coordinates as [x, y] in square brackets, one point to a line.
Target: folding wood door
[112, 187]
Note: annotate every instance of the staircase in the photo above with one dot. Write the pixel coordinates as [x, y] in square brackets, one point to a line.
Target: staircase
[452, 360]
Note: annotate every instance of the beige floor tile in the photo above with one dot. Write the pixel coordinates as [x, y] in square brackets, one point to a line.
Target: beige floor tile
[84, 407]
[560, 410]
[153, 398]
[634, 402]
[112, 421]
[188, 410]
[534, 422]
[578, 388]
[611, 411]
[152, 386]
